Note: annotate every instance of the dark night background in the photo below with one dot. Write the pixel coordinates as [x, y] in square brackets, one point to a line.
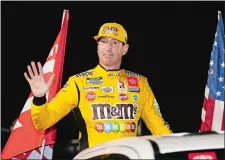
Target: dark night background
[170, 43]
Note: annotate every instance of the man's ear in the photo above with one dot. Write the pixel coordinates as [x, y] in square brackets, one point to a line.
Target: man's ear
[97, 46]
[125, 49]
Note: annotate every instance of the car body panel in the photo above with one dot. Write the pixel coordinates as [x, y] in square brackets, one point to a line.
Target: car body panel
[141, 148]
[130, 147]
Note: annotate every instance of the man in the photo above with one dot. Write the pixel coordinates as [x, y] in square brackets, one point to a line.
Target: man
[108, 101]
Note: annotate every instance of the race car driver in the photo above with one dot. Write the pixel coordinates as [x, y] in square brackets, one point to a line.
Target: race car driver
[108, 101]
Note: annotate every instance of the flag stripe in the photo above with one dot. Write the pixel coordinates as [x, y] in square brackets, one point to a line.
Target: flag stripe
[217, 115]
[206, 92]
[208, 106]
[222, 127]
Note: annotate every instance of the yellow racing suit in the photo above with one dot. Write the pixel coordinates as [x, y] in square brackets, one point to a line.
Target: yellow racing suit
[108, 105]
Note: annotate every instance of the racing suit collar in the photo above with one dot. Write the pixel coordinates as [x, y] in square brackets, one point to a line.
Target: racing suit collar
[108, 70]
[109, 73]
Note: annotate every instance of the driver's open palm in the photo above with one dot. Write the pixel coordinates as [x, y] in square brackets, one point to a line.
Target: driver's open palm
[38, 85]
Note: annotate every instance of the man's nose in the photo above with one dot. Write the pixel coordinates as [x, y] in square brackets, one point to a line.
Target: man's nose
[109, 46]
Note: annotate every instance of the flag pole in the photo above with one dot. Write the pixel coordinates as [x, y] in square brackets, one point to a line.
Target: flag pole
[42, 149]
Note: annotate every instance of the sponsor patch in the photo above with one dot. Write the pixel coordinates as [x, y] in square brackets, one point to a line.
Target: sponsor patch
[110, 30]
[99, 127]
[97, 80]
[135, 97]
[106, 96]
[90, 96]
[107, 89]
[92, 88]
[130, 127]
[129, 73]
[119, 111]
[123, 97]
[84, 74]
[121, 86]
[132, 81]
[122, 127]
[134, 89]
[113, 74]
[108, 127]
[115, 127]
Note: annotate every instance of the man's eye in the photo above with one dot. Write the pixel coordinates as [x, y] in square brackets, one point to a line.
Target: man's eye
[103, 41]
[115, 42]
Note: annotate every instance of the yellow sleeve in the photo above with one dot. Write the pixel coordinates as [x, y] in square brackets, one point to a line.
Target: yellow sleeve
[48, 114]
[151, 114]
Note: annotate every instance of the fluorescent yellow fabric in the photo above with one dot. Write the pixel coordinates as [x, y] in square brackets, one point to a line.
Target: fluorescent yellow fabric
[110, 102]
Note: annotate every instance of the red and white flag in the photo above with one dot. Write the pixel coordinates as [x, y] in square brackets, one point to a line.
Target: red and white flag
[213, 107]
[26, 142]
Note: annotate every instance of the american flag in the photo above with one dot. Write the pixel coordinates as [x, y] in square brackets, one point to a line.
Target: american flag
[213, 107]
